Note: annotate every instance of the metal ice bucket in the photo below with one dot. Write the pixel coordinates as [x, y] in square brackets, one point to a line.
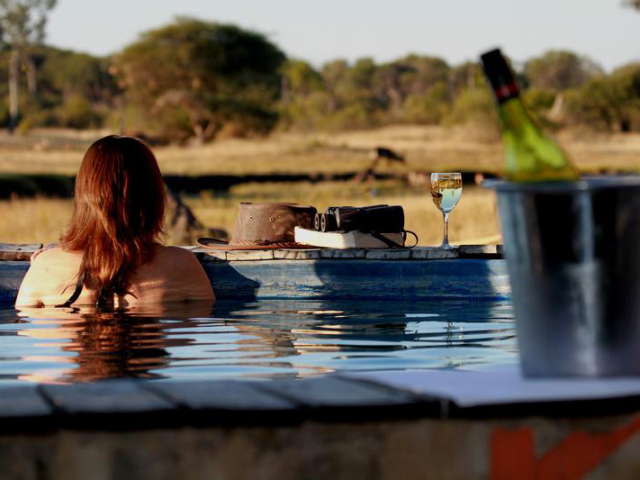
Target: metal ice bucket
[573, 254]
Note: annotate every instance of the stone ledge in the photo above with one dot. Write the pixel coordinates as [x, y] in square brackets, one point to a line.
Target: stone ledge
[240, 255]
[481, 250]
[416, 253]
[343, 254]
[16, 252]
[297, 254]
[384, 254]
[433, 253]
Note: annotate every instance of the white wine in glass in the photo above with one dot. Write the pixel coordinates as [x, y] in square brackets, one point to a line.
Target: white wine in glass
[446, 189]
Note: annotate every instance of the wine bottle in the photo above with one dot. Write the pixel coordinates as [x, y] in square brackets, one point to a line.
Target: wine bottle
[530, 155]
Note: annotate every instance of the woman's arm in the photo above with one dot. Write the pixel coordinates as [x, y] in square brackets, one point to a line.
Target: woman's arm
[30, 294]
[201, 286]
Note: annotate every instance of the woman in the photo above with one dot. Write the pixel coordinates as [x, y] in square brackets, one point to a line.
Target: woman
[109, 254]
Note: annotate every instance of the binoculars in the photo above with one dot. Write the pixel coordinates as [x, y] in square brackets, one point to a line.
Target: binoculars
[376, 218]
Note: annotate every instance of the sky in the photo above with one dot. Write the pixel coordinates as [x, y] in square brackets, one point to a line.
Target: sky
[322, 30]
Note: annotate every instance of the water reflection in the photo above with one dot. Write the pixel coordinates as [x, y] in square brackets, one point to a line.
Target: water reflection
[108, 344]
[266, 339]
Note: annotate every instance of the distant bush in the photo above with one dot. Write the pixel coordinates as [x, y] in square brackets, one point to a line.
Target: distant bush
[474, 110]
[609, 103]
[538, 100]
[25, 126]
[473, 107]
[429, 108]
[559, 70]
[78, 112]
[351, 116]
[305, 112]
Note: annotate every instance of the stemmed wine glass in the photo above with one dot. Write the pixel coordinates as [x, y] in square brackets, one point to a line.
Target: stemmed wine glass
[446, 189]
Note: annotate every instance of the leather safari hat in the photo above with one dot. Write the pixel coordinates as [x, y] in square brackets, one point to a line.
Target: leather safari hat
[265, 226]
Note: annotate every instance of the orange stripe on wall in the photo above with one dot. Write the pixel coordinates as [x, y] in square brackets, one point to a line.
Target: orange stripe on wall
[513, 453]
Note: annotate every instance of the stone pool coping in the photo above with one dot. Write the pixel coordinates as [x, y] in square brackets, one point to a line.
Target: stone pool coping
[17, 252]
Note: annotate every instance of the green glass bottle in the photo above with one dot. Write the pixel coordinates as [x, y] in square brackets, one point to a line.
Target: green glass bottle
[530, 155]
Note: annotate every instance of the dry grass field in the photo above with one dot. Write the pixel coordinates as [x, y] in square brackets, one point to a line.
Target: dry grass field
[40, 220]
[425, 149]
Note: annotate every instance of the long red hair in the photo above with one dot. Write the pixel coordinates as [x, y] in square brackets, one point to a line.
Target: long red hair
[118, 214]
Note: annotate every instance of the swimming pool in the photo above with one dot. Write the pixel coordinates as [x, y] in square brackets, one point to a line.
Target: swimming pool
[261, 339]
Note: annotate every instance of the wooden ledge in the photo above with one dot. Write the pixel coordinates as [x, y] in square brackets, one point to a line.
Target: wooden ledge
[128, 404]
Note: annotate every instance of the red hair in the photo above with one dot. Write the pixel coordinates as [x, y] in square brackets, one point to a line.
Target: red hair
[118, 214]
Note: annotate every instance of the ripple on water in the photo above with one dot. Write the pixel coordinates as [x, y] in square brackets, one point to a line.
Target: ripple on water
[257, 340]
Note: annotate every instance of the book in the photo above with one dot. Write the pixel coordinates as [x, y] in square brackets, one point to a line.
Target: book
[353, 239]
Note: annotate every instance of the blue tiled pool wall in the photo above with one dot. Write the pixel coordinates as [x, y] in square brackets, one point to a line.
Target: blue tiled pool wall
[334, 279]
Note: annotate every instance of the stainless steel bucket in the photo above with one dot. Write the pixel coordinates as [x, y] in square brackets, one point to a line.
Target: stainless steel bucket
[573, 254]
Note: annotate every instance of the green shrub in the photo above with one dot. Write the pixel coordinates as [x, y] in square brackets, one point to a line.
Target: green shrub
[473, 107]
[538, 100]
[351, 116]
[78, 112]
[428, 108]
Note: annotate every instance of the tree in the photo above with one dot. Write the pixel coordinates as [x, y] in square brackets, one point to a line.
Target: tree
[466, 76]
[610, 102]
[413, 89]
[299, 79]
[22, 24]
[70, 73]
[191, 78]
[559, 70]
[304, 101]
[388, 82]
[423, 73]
[334, 75]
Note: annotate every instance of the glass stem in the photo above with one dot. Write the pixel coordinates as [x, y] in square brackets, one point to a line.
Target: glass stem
[445, 240]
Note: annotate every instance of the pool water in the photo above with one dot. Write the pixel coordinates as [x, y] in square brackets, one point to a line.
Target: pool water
[260, 340]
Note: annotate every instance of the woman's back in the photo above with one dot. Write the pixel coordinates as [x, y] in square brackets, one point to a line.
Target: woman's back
[173, 274]
[109, 253]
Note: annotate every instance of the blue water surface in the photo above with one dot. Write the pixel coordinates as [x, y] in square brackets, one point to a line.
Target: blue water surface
[258, 340]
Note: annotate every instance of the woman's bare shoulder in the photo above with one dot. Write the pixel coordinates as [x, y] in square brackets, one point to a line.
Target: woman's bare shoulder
[175, 260]
[171, 254]
[173, 250]
[176, 274]
[57, 257]
[49, 273]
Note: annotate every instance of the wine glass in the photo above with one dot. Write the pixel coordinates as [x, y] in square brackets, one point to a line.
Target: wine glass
[446, 189]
